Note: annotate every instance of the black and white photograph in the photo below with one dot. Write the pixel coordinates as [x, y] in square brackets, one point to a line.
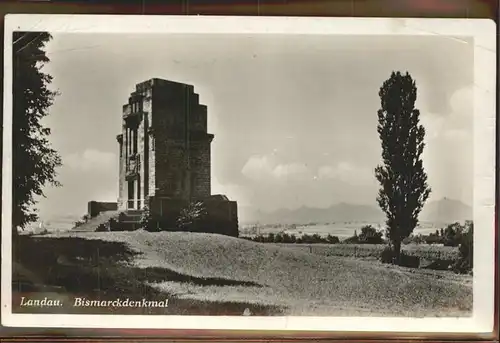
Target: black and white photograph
[248, 170]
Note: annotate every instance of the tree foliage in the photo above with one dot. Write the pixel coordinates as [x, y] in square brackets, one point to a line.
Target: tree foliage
[34, 160]
[452, 234]
[465, 262]
[368, 235]
[401, 175]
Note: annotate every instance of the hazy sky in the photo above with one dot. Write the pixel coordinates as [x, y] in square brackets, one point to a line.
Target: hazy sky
[294, 117]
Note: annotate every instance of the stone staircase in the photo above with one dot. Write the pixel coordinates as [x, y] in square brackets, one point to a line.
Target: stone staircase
[130, 220]
[93, 224]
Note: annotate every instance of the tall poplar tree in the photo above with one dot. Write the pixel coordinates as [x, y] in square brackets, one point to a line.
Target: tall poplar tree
[403, 180]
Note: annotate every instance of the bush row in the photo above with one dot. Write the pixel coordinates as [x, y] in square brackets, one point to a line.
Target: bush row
[282, 237]
[368, 235]
[453, 235]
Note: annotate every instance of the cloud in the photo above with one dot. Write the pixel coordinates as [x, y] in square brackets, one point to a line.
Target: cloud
[447, 133]
[268, 110]
[91, 160]
[346, 172]
[266, 168]
[290, 170]
[258, 167]
[462, 102]
[231, 190]
[433, 124]
[262, 168]
[458, 124]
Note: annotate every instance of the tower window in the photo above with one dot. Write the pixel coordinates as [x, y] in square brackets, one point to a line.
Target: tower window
[135, 142]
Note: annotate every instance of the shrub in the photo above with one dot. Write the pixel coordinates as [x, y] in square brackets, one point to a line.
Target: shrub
[353, 239]
[79, 223]
[102, 228]
[287, 238]
[387, 256]
[85, 218]
[270, 238]
[369, 235]
[312, 239]
[147, 222]
[452, 235]
[193, 217]
[332, 239]
[417, 239]
[464, 264]
[315, 238]
[433, 239]
[278, 238]
[307, 239]
[283, 237]
[45, 231]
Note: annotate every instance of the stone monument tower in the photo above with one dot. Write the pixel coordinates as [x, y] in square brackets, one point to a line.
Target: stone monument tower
[164, 145]
[165, 158]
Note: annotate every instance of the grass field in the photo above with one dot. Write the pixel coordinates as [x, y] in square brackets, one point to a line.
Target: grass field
[424, 251]
[213, 274]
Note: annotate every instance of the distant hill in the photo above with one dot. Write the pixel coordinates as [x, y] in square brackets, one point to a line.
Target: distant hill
[341, 212]
[442, 211]
[446, 211]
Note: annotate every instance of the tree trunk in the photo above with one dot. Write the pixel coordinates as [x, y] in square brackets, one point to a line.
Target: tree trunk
[397, 252]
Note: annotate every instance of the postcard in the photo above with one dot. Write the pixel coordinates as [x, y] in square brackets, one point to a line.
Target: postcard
[249, 173]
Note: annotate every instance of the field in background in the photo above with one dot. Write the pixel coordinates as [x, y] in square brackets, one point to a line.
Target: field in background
[424, 251]
[342, 230]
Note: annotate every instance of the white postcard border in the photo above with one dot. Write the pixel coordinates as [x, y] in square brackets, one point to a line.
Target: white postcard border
[484, 34]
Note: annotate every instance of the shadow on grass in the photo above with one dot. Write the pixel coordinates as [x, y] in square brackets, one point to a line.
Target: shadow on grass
[72, 268]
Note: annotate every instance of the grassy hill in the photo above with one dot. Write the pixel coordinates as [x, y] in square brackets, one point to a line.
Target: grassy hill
[215, 269]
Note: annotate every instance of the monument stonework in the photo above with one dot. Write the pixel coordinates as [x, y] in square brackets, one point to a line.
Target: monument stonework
[164, 146]
[165, 152]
